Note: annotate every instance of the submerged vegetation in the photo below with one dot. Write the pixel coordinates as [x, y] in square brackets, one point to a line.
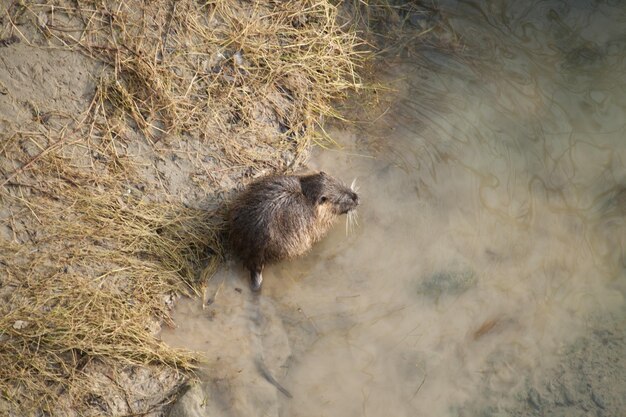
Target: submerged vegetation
[95, 235]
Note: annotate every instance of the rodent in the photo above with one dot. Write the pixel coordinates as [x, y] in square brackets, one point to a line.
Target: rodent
[280, 217]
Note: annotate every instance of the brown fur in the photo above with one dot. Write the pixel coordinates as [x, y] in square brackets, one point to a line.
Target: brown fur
[280, 217]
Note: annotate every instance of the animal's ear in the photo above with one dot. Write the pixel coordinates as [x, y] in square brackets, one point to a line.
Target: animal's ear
[323, 174]
[310, 187]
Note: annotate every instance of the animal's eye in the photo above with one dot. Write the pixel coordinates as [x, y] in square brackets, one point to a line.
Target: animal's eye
[323, 199]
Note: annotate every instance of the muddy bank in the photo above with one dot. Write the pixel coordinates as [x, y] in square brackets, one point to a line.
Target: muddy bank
[124, 128]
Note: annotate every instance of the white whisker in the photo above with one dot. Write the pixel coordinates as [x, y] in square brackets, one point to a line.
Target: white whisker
[351, 221]
[353, 186]
[352, 216]
[348, 223]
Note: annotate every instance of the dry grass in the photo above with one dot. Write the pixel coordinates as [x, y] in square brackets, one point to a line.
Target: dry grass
[215, 69]
[89, 259]
[90, 284]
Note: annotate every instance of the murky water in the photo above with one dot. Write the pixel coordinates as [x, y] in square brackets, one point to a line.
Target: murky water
[492, 232]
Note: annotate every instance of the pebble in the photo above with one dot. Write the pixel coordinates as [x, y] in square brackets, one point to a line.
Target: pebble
[598, 96]
[20, 324]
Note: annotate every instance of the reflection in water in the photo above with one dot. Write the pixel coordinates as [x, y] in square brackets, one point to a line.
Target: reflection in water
[492, 229]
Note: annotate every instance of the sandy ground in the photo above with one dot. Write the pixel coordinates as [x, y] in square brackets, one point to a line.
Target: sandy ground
[44, 88]
[38, 86]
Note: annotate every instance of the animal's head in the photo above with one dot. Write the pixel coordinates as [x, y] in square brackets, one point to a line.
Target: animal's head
[323, 190]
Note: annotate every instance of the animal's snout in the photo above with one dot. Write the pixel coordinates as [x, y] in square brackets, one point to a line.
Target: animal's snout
[349, 201]
[355, 198]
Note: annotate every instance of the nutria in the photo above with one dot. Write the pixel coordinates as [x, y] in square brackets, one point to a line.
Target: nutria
[281, 216]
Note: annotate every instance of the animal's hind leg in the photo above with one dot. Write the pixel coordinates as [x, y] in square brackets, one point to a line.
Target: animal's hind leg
[256, 279]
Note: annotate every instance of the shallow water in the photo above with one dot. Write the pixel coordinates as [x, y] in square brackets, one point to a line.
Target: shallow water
[491, 233]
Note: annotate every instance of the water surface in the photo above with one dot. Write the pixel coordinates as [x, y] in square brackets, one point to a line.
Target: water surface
[491, 233]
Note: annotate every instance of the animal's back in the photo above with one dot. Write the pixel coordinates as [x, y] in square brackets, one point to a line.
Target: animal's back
[271, 220]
